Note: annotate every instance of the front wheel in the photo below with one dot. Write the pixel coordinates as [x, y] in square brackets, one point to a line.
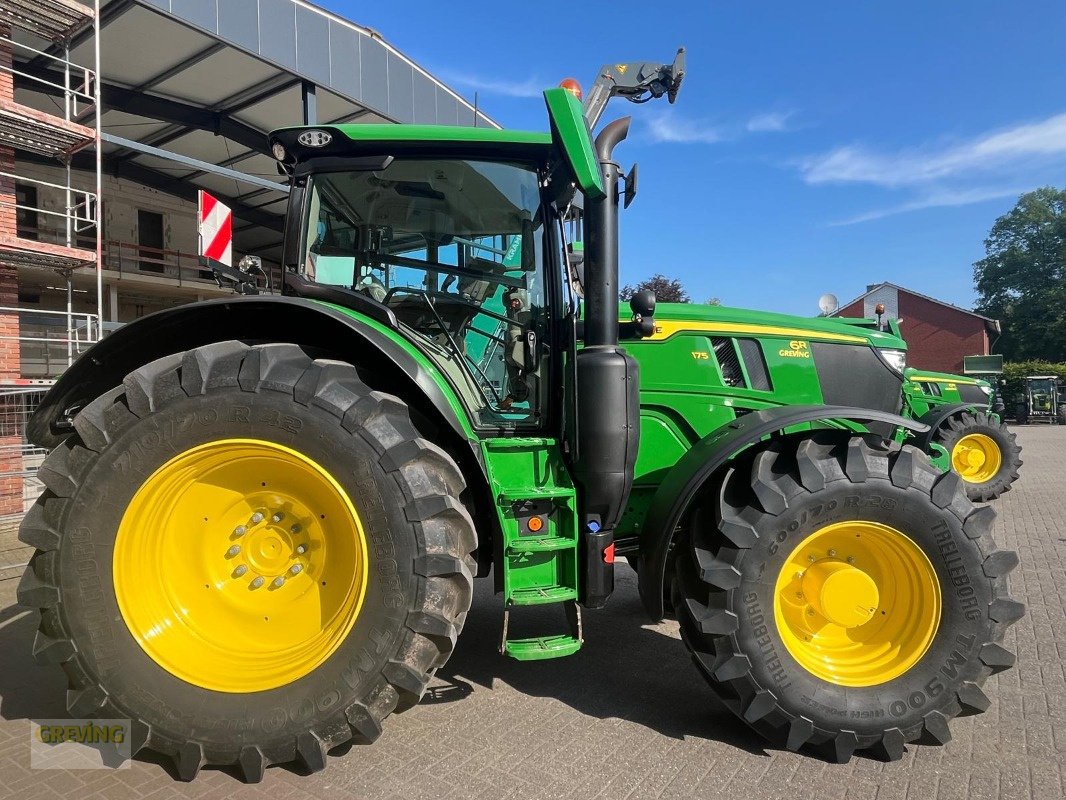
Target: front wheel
[250, 554]
[844, 595]
[984, 452]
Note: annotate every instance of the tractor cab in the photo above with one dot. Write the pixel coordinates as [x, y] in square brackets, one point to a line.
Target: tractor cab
[450, 236]
[455, 250]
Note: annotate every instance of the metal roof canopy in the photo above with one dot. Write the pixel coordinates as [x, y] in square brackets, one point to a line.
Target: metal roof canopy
[192, 87]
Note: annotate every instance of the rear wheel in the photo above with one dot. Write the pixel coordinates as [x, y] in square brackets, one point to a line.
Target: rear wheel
[984, 453]
[250, 554]
[844, 595]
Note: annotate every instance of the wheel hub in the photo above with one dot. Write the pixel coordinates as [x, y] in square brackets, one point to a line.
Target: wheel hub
[976, 458]
[240, 565]
[842, 594]
[269, 549]
[857, 603]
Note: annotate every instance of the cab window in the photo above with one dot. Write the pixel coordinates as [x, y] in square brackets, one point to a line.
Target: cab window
[455, 248]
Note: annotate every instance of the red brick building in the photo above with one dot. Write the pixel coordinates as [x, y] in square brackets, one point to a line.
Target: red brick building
[938, 334]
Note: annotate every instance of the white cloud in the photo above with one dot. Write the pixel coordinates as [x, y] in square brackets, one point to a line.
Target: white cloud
[670, 127]
[992, 151]
[675, 128]
[938, 199]
[529, 87]
[770, 122]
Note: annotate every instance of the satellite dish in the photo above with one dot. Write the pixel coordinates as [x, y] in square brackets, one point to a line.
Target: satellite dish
[828, 303]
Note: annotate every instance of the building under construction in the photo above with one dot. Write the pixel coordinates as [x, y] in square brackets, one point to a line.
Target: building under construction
[112, 116]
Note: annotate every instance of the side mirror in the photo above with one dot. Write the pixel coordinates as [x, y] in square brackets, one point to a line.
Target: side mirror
[575, 267]
[631, 187]
[529, 246]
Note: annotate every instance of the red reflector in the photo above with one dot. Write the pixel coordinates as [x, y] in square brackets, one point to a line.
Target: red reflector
[608, 554]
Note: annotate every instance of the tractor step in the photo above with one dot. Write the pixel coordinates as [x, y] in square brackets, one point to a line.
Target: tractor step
[542, 647]
[539, 595]
[542, 544]
[539, 563]
[538, 648]
[561, 493]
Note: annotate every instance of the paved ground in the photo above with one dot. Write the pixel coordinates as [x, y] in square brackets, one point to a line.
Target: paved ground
[628, 716]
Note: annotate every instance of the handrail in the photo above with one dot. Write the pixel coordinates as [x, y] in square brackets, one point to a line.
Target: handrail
[87, 202]
[85, 93]
[130, 257]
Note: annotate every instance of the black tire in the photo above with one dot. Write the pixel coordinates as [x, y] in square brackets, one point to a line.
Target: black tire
[1021, 414]
[419, 576]
[727, 563]
[967, 422]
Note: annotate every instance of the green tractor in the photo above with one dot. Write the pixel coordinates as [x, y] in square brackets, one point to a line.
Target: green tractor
[1043, 400]
[263, 515]
[967, 416]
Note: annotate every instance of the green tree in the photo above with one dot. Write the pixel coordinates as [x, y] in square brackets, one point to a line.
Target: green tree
[1021, 281]
[667, 290]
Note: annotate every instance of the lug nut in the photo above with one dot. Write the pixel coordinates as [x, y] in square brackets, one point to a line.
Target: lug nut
[278, 582]
[296, 569]
[799, 576]
[799, 595]
[812, 559]
[278, 517]
[239, 531]
[241, 569]
[233, 551]
[851, 559]
[257, 582]
[301, 549]
[257, 518]
[294, 529]
[832, 553]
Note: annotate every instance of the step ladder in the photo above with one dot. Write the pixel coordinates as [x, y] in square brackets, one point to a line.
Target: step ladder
[537, 507]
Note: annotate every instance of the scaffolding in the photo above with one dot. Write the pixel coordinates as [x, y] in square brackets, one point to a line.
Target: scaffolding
[36, 38]
[74, 240]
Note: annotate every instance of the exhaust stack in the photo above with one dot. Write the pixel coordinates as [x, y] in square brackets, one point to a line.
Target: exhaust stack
[608, 401]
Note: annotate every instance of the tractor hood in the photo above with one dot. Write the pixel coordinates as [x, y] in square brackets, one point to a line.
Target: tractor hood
[673, 317]
[928, 376]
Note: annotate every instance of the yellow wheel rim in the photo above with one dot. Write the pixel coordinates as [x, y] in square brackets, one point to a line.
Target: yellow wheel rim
[857, 603]
[976, 458]
[240, 565]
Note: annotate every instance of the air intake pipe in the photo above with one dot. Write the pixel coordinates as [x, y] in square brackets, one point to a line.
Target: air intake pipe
[608, 401]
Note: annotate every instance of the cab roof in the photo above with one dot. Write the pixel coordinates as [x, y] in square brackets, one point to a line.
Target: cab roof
[442, 134]
[446, 140]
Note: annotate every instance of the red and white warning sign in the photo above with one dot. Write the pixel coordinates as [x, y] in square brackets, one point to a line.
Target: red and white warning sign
[215, 229]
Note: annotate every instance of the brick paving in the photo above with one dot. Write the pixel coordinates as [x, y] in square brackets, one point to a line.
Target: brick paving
[628, 716]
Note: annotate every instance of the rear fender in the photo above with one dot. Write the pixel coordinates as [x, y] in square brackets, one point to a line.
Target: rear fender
[311, 324]
[935, 417]
[675, 494]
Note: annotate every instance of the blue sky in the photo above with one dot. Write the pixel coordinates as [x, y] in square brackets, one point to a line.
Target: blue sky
[815, 147]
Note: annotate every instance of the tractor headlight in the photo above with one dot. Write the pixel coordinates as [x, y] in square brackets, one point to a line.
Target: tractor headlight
[897, 359]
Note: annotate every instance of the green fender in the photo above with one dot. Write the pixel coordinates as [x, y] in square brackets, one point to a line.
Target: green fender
[707, 456]
[342, 333]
